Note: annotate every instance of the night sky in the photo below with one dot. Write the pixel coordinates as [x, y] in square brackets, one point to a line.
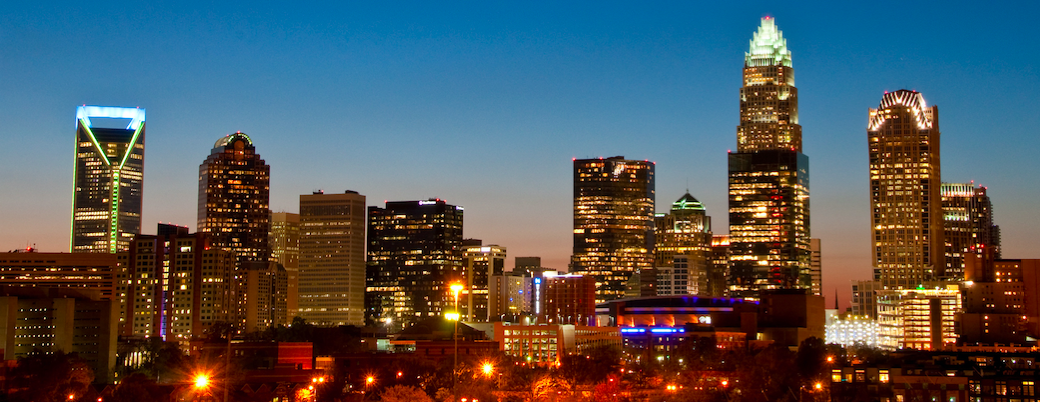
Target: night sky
[485, 105]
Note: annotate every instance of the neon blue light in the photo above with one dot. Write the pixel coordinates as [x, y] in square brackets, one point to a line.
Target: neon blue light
[136, 115]
[633, 330]
[667, 330]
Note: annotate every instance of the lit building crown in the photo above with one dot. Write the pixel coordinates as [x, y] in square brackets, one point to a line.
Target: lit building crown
[768, 46]
[909, 99]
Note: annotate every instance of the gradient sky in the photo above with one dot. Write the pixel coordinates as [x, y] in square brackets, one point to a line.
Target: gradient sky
[484, 105]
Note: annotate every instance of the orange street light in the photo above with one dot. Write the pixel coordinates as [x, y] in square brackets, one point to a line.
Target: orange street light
[201, 381]
[369, 380]
[488, 368]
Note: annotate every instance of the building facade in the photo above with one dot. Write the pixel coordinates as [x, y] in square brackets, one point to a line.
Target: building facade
[234, 193]
[97, 271]
[176, 286]
[482, 263]
[414, 254]
[568, 299]
[906, 209]
[108, 180]
[967, 226]
[613, 222]
[682, 255]
[285, 250]
[332, 258]
[768, 175]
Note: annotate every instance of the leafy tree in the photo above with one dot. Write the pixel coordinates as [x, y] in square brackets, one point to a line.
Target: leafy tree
[49, 377]
[136, 387]
[404, 393]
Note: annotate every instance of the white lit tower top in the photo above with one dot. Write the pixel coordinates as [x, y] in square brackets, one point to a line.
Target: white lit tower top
[768, 99]
[109, 178]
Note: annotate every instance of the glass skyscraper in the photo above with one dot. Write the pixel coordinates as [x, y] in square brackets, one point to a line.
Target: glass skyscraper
[768, 175]
[414, 254]
[234, 192]
[109, 178]
[613, 222]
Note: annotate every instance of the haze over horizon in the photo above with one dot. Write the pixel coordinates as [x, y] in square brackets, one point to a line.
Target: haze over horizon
[485, 105]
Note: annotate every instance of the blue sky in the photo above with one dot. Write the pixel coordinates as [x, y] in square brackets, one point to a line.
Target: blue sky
[485, 104]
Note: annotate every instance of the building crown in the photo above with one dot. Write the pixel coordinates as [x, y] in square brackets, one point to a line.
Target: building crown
[768, 47]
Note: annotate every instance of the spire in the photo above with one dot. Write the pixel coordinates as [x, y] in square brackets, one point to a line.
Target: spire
[768, 46]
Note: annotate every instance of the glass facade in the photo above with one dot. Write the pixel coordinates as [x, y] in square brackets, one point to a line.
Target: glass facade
[613, 222]
[906, 211]
[768, 175]
[234, 192]
[414, 254]
[968, 226]
[109, 179]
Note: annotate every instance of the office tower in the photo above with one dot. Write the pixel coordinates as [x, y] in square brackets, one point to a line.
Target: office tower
[683, 247]
[414, 254]
[718, 270]
[234, 191]
[967, 225]
[481, 264]
[768, 175]
[569, 299]
[29, 268]
[176, 286]
[262, 295]
[816, 266]
[903, 137]
[332, 258]
[109, 178]
[285, 250]
[613, 222]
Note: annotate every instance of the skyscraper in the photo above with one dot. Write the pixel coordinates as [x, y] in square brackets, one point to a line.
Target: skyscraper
[481, 264]
[332, 258]
[768, 175]
[613, 222]
[414, 254]
[967, 225]
[234, 192]
[903, 137]
[683, 247]
[109, 178]
[285, 250]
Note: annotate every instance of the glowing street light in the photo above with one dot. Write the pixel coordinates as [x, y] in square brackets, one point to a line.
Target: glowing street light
[201, 381]
[456, 287]
[488, 368]
[369, 380]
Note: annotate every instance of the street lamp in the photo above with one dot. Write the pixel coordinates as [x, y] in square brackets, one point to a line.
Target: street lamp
[488, 368]
[456, 287]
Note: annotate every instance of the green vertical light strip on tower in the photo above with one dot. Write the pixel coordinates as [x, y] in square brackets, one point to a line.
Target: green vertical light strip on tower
[113, 233]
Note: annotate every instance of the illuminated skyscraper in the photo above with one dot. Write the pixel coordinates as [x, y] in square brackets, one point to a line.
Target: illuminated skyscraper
[109, 178]
[234, 191]
[613, 222]
[285, 250]
[768, 175]
[482, 263]
[683, 248]
[332, 258]
[414, 254]
[968, 226]
[903, 137]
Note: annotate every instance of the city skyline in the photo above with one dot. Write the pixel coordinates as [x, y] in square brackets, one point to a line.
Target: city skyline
[536, 87]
